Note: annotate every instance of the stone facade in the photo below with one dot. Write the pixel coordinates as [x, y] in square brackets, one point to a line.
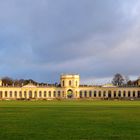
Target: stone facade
[69, 88]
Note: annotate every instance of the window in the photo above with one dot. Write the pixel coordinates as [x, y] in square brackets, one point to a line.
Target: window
[133, 93]
[129, 93]
[119, 94]
[49, 93]
[94, 93]
[35, 94]
[0, 94]
[104, 93]
[85, 94]
[5, 93]
[80, 94]
[76, 83]
[124, 93]
[45, 94]
[15, 93]
[10, 93]
[63, 83]
[90, 93]
[54, 93]
[20, 94]
[99, 93]
[70, 83]
[25, 94]
[40, 94]
[59, 93]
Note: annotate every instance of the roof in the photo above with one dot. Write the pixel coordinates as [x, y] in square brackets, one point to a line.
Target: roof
[29, 85]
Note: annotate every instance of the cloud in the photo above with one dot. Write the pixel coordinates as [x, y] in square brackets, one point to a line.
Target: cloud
[95, 38]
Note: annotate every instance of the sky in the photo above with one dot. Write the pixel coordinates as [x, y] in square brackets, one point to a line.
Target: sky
[41, 39]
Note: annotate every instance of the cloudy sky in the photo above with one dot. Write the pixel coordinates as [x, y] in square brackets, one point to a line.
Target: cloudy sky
[40, 39]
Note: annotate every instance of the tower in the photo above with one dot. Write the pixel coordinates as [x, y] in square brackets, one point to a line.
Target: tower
[70, 80]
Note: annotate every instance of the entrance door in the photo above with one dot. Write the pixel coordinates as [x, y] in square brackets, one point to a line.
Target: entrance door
[69, 93]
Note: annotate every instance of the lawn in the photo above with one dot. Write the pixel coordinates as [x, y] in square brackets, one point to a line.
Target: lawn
[69, 120]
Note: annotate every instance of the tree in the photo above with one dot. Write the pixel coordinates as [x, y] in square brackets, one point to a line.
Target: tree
[118, 80]
[7, 81]
[126, 79]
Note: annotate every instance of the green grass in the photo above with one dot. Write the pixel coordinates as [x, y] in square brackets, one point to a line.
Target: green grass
[69, 120]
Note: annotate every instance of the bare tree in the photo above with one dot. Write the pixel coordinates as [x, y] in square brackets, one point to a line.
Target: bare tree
[118, 80]
[126, 79]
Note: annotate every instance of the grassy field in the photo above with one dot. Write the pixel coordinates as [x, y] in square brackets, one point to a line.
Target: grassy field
[69, 120]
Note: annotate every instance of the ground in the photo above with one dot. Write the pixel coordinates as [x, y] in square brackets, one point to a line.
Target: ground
[69, 120]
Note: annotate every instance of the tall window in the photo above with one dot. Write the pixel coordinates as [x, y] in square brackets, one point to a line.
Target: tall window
[90, 93]
[20, 93]
[40, 94]
[124, 93]
[59, 93]
[94, 93]
[119, 94]
[76, 83]
[35, 94]
[69, 82]
[104, 93]
[49, 93]
[85, 93]
[45, 94]
[80, 94]
[99, 93]
[133, 93]
[15, 93]
[129, 93]
[63, 83]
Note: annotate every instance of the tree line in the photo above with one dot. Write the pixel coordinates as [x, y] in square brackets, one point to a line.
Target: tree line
[120, 80]
[7, 81]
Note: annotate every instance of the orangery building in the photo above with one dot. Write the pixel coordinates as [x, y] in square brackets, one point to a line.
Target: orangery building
[69, 88]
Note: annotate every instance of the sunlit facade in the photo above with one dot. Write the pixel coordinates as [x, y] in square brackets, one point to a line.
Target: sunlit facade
[69, 88]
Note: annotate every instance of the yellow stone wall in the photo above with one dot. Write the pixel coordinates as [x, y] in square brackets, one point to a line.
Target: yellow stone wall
[31, 91]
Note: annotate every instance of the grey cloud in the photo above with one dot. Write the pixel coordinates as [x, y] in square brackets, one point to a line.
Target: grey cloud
[41, 39]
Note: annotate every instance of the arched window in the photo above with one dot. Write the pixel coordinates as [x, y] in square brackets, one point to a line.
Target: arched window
[76, 83]
[114, 93]
[104, 93]
[94, 93]
[54, 93]
[90, 93]
[35, 94]
[63, 83]
[0, 94]
[138, 94]
[49, 93]
[133, 93]
[99, 93]
[15, 93]
[30, 94]
[109, 93]
[80, 93]
[20, 94]
[10, 93]
[119, 94]
[25, 94]
[45, 94]
[129, 93]
[40, 94]
[59, 93]
[85, 93]
[124, 93]
[69, 82]
[5, 93]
